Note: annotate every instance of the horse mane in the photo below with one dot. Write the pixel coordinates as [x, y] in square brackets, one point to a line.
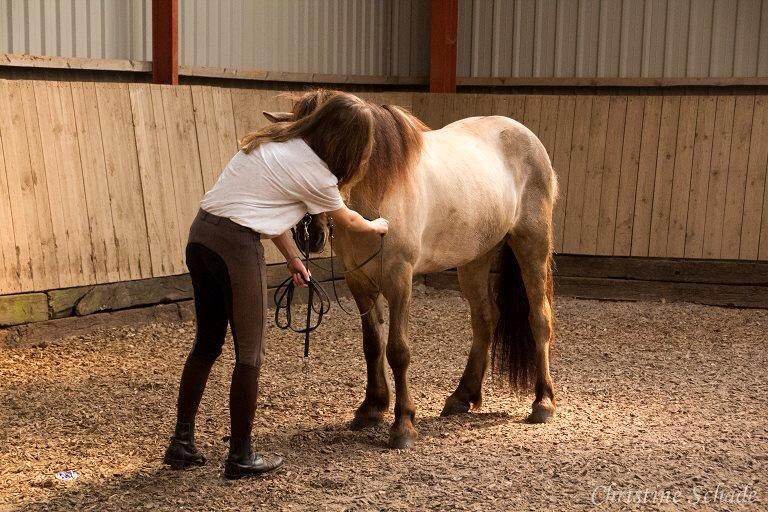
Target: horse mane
[397, 143]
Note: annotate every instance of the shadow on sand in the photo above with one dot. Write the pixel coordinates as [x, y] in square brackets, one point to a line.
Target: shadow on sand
[305, 451]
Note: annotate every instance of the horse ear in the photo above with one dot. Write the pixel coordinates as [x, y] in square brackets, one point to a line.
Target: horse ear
[277, 117]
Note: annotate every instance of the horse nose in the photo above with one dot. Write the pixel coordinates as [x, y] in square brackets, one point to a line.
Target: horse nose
[319, 241]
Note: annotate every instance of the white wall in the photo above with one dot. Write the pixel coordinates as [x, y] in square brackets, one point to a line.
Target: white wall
[497, 38]
[99, 29]
[613, 38]
[346, 37]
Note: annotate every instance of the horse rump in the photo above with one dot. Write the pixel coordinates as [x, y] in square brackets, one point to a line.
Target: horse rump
[513, 351]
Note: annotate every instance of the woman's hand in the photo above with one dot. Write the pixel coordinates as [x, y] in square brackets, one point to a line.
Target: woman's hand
[353, 221]
[300, 273]
[380, 226]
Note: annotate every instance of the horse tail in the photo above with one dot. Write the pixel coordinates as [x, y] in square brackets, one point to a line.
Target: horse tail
[514, 347]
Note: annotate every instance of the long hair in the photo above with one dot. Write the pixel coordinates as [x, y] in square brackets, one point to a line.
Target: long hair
[340, 131]
[513, 348]
[397, 141]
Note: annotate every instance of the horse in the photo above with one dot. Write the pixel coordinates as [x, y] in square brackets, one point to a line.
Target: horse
[478, 191]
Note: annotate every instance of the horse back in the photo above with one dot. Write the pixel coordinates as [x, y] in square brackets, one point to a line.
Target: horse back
[473, 177]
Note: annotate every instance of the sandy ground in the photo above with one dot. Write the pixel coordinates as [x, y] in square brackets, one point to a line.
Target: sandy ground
[657, 398]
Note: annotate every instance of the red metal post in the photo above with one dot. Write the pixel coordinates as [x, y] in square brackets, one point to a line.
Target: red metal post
[442, 45]
[165, 42]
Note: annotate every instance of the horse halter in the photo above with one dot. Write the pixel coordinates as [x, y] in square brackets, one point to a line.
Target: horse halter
[318, 301]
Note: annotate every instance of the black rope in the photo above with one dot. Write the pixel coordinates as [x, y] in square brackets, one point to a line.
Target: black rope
[318, 301]
[380, 251]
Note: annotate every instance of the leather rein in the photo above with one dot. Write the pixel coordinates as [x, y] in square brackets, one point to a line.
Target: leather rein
[318, 300]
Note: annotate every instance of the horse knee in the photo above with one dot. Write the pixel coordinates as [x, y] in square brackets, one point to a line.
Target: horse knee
[398, 355]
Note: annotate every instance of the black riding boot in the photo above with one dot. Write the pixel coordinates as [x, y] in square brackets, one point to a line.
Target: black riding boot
[182, 453]
[243, 462]
[242, 406]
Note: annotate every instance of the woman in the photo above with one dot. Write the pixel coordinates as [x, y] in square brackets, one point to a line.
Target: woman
[280, 173]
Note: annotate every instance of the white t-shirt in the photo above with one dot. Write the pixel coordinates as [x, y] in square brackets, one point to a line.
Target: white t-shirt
[270, 189]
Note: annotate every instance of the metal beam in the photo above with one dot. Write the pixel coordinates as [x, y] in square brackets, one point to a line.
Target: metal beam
[165, 42]
[442, 45]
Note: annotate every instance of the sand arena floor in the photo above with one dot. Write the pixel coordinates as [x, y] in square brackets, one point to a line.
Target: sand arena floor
[658, 398]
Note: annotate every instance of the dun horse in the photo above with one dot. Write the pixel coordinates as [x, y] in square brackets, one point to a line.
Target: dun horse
[454, 197]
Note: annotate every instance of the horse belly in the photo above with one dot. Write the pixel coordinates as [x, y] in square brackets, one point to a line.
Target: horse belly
[467, 221]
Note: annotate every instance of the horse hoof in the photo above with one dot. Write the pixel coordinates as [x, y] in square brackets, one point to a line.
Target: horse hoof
[541, 412]
[363, 422]
[454, 406]
[401, 441]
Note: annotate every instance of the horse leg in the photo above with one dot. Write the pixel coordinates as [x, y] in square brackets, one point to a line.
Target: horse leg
[371, 411]
[533, 252]
[474, 279]
[398, 294]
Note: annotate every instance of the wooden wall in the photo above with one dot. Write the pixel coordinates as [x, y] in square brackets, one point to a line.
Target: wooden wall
[99, 181]
[677, 176]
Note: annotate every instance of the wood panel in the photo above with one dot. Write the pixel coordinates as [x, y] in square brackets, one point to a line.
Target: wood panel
[577, 175]
[630, 163]
[184, 154]
[433, 109]
[598, 130]
[458, 106]
[215, 126]
[754, 211]
[99, 181]
[124, 180]
[19, 181]
[697, 197]
[547, 129]
[681, 181]
[66, 190]
[723, 283]
[562, 164]
[532, 115]
[73, 181]
[247, 107]
[166, 246]
[44, 264]
[104, 243]
[47, 130]
[609, 193]
[646, 176]
[737, 177]
[9, 276]
[665, 173]
[718, 176]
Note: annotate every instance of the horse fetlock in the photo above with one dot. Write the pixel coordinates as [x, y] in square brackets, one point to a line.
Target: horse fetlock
[361, 422]
[460, 404]
[402, 436]
[542, 411]
[368, 415]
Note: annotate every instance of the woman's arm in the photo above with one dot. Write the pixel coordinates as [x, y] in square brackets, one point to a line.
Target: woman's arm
[353, 221]
[288, 249]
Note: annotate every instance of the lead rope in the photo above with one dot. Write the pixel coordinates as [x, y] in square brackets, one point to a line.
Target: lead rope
[379, 252]
[317, 298]
[284, 302]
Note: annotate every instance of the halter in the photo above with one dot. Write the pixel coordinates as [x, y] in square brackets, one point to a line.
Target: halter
[318, 300]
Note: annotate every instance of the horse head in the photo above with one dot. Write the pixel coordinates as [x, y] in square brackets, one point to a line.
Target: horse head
[312, 232]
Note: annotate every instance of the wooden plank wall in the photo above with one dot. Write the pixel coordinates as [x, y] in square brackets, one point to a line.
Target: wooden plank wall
[678, 176]
[100, 181]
